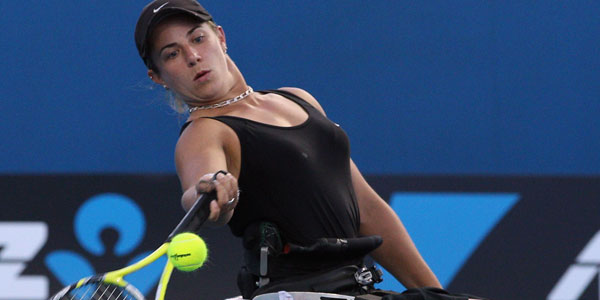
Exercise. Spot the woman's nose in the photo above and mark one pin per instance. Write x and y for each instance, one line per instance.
(193, 58)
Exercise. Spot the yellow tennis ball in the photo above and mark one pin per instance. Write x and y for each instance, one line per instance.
(187, 252)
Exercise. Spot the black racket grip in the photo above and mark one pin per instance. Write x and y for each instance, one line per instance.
(198, 213)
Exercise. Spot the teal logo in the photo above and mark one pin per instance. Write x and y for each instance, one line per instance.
(447, 227)
(95, 215)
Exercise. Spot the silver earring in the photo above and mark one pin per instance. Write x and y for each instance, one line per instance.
(166, 87)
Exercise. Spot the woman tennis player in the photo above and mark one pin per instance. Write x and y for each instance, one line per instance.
(306, 215)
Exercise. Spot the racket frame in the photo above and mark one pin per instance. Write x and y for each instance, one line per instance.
(192, 221)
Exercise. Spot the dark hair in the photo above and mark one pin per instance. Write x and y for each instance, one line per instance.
(174, 102)
(150, 63)
(156, 11)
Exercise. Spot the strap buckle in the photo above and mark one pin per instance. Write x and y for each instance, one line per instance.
(368, 276)
(264, 267)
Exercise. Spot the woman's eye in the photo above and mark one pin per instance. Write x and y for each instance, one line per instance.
(198, 39)
(170, 55)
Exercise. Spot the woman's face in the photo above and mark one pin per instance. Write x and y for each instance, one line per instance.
(190, 59)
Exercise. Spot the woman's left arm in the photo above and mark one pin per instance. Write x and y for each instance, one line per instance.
(397, 253)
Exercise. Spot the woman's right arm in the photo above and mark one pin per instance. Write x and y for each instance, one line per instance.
(205, 147)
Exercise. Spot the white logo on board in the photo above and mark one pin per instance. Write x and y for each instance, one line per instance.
(19, 243)
(580, 274)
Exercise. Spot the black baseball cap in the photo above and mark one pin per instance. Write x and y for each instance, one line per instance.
(156, 11)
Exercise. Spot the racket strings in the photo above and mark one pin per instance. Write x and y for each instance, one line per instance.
(99, 291)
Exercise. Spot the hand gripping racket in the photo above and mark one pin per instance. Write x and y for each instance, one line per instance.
(112, 286)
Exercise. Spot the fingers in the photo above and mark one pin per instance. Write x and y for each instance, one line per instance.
(205, 185)
(215, 211)
(227, 190)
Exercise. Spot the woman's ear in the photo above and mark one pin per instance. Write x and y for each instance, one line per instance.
(222, 39)
(155, 77)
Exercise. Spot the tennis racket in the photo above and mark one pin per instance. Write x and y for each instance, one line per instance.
(112, 285)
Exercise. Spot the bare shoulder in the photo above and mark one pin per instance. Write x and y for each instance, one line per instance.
(201, 131)
(204, 134)
(203, 147)
(304, 95)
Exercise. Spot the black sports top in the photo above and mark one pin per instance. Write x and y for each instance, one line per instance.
(295, 177)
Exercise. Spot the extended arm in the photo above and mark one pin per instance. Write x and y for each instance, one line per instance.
(203, 149)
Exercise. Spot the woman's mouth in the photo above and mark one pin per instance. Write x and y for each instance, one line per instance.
(201, 76)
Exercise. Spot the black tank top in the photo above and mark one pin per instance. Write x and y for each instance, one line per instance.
(295, 177)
